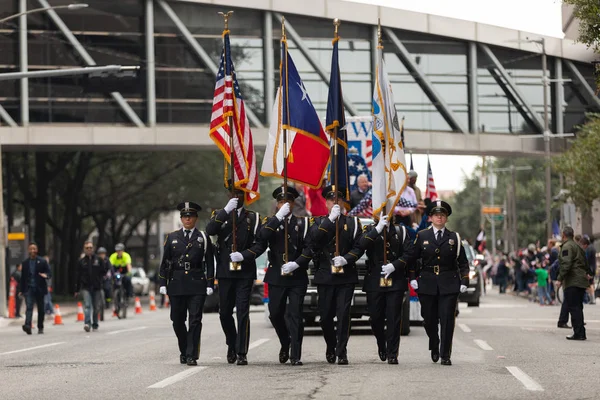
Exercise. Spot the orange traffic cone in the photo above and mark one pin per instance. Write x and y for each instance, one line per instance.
(57, 315)
(80, 316)
(12, 299)
(152, 302)
(167, 303)
(138, 306)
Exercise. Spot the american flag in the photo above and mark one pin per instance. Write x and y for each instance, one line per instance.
(228, 102)
(430, 193)
(356, 167)
(365, 207)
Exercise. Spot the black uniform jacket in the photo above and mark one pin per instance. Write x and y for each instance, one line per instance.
(188, 267)
(89, 273)
(444, 265)
(321, 249)
(398, 243)
(41, 267)
(271, 235)
(248, 224)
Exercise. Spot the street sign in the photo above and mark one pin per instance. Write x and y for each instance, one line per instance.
(491, 210)
(498, 217)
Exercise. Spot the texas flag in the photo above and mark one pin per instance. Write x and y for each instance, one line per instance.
(308, 146)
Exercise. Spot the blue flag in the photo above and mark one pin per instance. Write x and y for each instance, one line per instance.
(336, 119)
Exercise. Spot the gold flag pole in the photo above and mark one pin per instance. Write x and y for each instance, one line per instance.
(285, 138)
(336, 24)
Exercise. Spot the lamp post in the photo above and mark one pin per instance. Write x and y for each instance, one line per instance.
(3, 309)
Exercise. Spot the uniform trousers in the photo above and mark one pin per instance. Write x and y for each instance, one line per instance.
(235, 293)
(385, 311)
(285, 312)
(335, 301)
(188, 339)
(574, 298)
(440, 309)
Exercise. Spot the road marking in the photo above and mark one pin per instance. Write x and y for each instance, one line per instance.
(127, 330)
(525, 379)
(32, 348)
(483, 344)
(254, 345)
(176, 378)
(464, 328)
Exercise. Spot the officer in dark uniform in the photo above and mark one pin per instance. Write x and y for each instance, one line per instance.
(335, 276)
(287, 283)
(235, 275)
(444, 273)
(187, 275)
(385, 284)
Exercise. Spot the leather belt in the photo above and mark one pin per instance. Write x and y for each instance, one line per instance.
(184, 266)
(437, 269)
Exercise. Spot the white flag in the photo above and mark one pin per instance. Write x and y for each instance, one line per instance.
(389, 163)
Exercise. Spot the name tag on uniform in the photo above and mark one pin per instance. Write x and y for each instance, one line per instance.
(451, 241)
(174, 241)
(426, 242)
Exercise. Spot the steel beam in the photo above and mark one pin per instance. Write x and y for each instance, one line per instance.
(89, 61)
(269, 60)
(210, 64)
(517, 96)
(473, 92)
(425, 84)
(6, 117)
(289, 29)
(559, 97)
(60, 72)
(23, 62)
(582, 86)
(150, 64)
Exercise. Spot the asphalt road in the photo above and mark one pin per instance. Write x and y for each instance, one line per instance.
(506, 349)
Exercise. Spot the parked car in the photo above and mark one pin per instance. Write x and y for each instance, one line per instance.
(140, 281)
(475, 287)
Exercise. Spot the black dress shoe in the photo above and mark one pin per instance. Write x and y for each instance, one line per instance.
(330, 357)
(435, 355)
(393, 360)
(40, 331)
(296, 362)
(27, 329)
(566, 326)
(182, 359)
(231, 356)
(573, 337)
(191, 362)
(284, 355)
(342, 361)
(381, 351)
(446, 361)
(241, 360)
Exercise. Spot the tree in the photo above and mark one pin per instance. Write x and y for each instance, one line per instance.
(581, 166)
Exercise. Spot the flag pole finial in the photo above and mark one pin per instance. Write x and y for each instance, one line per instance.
(226, 16)
(336, 23)
(283, 27)
(379, 40)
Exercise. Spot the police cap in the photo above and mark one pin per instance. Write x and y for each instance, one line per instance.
(188, 208)
(292, 193)
(439, 206)
(329, 192)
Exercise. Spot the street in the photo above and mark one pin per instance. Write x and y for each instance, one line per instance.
(508, 348)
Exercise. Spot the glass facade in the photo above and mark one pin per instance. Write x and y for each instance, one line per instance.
(184, 83)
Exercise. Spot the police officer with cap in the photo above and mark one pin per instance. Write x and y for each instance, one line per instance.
(443, 275)
(236, 274)
(287, 283)
(335, 276)
(187, 275)
(385, 284)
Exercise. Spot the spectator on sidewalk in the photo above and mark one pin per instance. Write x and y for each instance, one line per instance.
(90, 272)
(363, 185)
(542, 285)
(34, 287)
(590, 256)
(502, 275)
(17, 277)
(48, 306)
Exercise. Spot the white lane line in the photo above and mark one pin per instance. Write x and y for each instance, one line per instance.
(254, 345)
(464, 328)
(176, 378)
(483, 344)
(127, 330)
(32, 348)
(525, 379)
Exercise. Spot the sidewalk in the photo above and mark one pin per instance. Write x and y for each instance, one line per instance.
(67, 310)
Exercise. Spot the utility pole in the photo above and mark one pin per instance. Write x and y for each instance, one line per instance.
(492, 186)
(546, 84)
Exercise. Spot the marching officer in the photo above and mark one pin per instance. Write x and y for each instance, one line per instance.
(335, 276)
(236, 275)
(444, 273)
(385, 284)
(187, 275)
(287, 285)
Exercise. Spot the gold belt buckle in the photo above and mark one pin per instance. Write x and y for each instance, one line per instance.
(235, 266)
(436, 269)
(385, 282)
(337, 270)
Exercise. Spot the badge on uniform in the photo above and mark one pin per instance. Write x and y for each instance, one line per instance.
(345, 227)
(174, 241)
(296, 228)
(426, 242)
(451, 241)
(200, 240)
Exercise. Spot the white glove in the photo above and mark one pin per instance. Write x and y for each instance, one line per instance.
(283, 211)
(383, 222)
(290, 267)
(162, 290)
(414, 284)
(339, 261)
(387, 270)
(334, 213)
(231, 205)
(463, 288)
(209, 291)
(236, 257)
